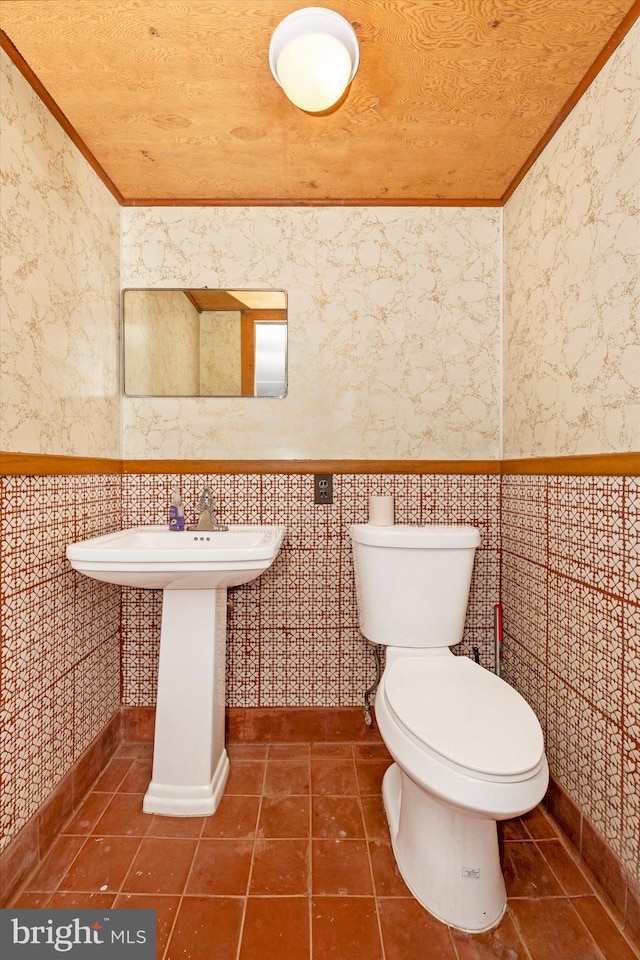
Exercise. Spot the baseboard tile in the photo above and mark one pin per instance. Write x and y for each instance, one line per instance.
(608, 870)
(29, 847)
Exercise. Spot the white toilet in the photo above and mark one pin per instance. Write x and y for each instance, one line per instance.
(468, 749)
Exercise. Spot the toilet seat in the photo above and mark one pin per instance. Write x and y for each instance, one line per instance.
(465, 715)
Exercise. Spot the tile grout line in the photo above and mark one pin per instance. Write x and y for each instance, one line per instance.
(310, 842)
(588, 932)
(376, 899)
(253, 853)
(115, 793)
(181, 896)
(519, 931)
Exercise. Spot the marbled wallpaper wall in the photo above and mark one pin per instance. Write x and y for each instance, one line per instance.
(394, 330)
(571, 268)
(59, 307)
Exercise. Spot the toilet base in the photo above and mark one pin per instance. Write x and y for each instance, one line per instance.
(449, 860)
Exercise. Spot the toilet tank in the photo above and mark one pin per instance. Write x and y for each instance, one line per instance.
(412, 582)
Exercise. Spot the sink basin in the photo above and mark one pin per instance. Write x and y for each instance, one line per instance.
(156, 557)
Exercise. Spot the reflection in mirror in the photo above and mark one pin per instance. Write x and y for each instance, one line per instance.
(204, 343)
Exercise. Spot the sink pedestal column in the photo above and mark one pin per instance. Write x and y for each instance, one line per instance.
(190, 763)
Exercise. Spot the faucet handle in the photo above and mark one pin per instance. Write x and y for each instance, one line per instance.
(206, 500)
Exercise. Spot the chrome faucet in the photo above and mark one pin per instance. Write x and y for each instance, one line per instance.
(206, 517)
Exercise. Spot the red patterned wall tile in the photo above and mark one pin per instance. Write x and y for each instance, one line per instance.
(53, 620)
(292, 635)
(630, 840)
(562, 553)
(570, 574)
(586, 530)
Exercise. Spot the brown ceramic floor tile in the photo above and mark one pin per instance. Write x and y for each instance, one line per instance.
(113, 774)
(332, 776)
(526, 872)
(410, 933)
(166, 909)
(281, 868)
(236, 817)
(161, 865)
(88, 813)
(573, 881)
(375, 818)
(502, 941)
(602, 929)
(276, 928)
(513, 830)
(220, 868)
(386, 876)
(286, 777)
(102, 864)
(245, 777)
(73, 901)
(372, 751)
(123, 817)
(54, 867)
(370, 774)
(341, 867)
(184, 827)
(336, 817)
(552, 928)
(337, 751)
(344, 928)
(538, 824)
(31, 900)
(262, 849)
(285, 817)
(289, 751)
(632, 918)
(247, 751)
(206, 928)
(137, 778)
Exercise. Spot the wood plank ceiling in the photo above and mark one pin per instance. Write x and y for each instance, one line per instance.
(173, 100)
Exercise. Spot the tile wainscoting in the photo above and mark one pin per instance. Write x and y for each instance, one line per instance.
(561, 552)
(60, 647)
(571, 595)
(292, 635)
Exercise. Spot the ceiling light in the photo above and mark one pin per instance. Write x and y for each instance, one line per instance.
(314, 56)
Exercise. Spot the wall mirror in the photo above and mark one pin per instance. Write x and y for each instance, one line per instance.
(204, 343)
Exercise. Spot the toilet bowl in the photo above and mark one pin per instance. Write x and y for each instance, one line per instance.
(467, 748)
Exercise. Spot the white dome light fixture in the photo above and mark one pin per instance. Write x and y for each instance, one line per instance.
(314, 56)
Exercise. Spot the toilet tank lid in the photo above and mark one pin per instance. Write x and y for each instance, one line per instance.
(434, 536)
(466, 714)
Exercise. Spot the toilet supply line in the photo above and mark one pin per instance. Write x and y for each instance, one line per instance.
(370, 691)
(497, 636)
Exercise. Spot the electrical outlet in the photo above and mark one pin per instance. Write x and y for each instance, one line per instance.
(323, 488)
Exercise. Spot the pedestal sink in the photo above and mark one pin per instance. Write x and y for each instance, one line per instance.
(193, 568)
